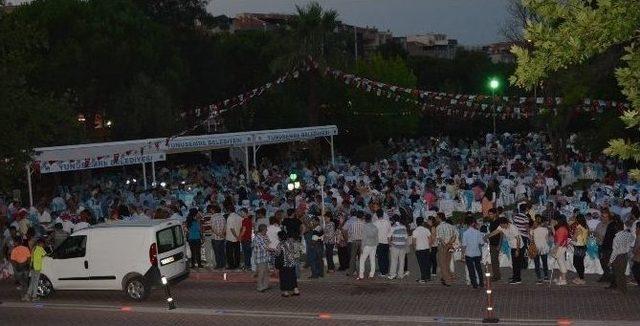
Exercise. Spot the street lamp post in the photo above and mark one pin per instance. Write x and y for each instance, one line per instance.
(293, 185)
(493, 85)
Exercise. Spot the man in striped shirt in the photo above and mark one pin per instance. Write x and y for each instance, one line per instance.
(354, 236)
(398, 240)
(329, 240)
(521, 221)
(218, 229)
(622, 242)
(261, 257)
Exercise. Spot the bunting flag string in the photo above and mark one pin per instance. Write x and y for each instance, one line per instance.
(429, 102)
(469, 106)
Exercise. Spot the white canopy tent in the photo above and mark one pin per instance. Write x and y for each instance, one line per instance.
(143, 151)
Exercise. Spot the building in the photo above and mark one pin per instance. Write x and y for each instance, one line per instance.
(368, 39)
(431, 45)
(7, 8)
(500, 52)
(256, 21)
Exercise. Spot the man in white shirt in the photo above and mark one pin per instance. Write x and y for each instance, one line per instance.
(514, 239)
(472, 242)
(232, 236)
(421, 239)
(382, 252)
(272, 232)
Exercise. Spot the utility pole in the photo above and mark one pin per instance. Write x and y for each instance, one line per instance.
(355, 42)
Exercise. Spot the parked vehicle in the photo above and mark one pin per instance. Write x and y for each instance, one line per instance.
(128, 256)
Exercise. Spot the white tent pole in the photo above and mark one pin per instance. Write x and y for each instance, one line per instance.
(333, 157)
(144, 175)
(246, 161)
(254, 155)
(29, 185)
(153, 173)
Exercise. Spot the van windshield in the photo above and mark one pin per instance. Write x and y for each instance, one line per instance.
(169, 239)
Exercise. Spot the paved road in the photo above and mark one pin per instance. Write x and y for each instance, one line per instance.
(330, 301)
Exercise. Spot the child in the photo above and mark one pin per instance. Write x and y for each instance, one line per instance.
(37, 254)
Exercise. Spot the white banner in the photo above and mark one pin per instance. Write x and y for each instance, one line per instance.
(209, 141)
(95, 163)
(295, 134)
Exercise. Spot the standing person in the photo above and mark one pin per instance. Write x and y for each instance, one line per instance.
(272, 233)
(261, 257)
(329, 241)
(59, 235)
(292, 225)
(20, 257)
(488, 199)
(607, 245)
(343, 247)
(194, 229)
(232, 236)
(261, 217)
(635, 256)
(208, 236)
(382, 252)
(369, 246)
(315, 249)
(398, 248)
(494, 245)
(446, 235)
(433, 253)
(354, 233)
(581, 234)
(37, 254)
(622, 241)
(307, 232)
(512, 235)
(422, 241)
(540, 238)
(560, 241)
(286, 265)
(246, 231)
(472, 242)
(218, 227)
(521, 221)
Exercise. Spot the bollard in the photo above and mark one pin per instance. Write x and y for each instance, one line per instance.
(167, 292)
(490, 314)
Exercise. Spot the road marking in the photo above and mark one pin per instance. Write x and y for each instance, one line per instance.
(296, 315)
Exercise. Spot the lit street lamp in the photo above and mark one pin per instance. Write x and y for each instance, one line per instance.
(293, 184)
(494, 83)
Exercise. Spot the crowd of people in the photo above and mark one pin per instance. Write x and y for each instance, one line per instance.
(501, 200)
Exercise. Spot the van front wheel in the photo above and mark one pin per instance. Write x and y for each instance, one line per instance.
(45, 288)
(136, 289)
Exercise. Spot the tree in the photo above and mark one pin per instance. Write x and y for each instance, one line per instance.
(571, 32)
(313, 29)
(313, 26)
(374, 118)
(30, 117)
(518, 16)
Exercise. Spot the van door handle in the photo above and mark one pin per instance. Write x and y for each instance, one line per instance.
(86, 264)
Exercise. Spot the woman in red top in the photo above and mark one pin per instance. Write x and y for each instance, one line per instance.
(561, 239)
(245, 237)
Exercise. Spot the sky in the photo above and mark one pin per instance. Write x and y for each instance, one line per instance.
(471, 22)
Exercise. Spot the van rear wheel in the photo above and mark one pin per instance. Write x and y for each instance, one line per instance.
(136, 289)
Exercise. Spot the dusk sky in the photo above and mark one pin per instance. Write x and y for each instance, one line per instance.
(472, 22)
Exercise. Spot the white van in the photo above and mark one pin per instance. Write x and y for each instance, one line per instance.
(127, 256)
